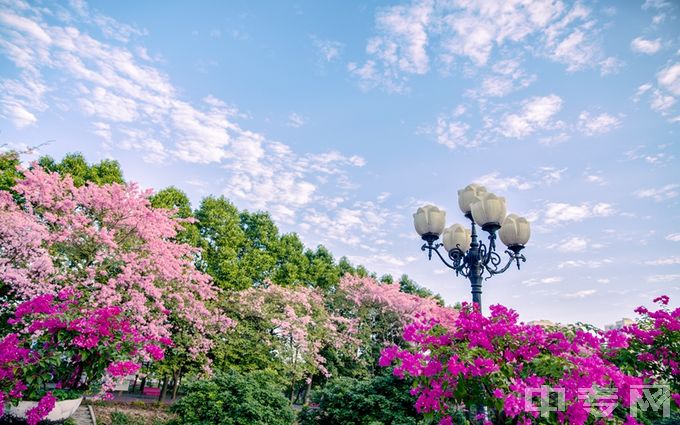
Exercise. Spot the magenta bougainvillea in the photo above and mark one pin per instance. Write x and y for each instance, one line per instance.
(501, 364)
(57, 342)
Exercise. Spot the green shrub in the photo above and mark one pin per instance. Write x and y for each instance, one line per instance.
(234, 399)
(383, 400)
(120, 418)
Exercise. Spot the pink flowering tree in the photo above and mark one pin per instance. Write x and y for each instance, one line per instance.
(109, 246)
(300, 326)
(381, 311)
(494, 369)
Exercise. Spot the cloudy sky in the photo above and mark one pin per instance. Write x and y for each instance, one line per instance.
(341, 118)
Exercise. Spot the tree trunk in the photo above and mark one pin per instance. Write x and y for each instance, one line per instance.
(292, 383)
(164, 390)
(308, 391)
(175, 382)
(142, 385)
(134, 384)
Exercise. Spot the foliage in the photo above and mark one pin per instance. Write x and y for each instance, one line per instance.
(74, 164)
(382, 400)
(177, 201)
(9, 173)
(234, 399)
(104, 172)
(492, 361)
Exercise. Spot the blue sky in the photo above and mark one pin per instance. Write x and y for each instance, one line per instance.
(342, 118)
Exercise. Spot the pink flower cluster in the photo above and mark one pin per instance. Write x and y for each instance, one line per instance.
(44, 407)
(496, 361)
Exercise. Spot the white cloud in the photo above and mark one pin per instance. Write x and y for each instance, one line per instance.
(663, 278)
(642, 45)
(543, 281)
(656, 4)
(599, 124)
(573, 244)
(400, 47)
(452, 133)
(669, 78)
(329, 50)
(408, 35)
(354, 224)
(296, 120)
(654, 158)
(663, 96)
(666, 261)
(674, 237)
(659, 194)
(506, 77)
(590, 264)
(576, 51)
(610, 65)
(537, 113)
(495, 182)
(593, 178)
(134, 106)
(550, 175)
(661, 102)
(543, 176)
(580, 294)
(558, 213)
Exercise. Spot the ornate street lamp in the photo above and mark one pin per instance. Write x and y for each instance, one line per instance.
(469, 256)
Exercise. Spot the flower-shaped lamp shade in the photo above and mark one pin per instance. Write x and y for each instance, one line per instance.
(456, 237)
(490, 209)
(469, 195)
(515, 231)
(429, 219)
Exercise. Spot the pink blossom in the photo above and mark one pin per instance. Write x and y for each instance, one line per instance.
(44, 407)
(123, 368)
(155, 351)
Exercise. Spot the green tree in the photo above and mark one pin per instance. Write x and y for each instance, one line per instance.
(345, 267)
(173, 198)
(323, 273)
(224, 241)
(235, 399)
(410, 286)
(74, 164)
(292, 266)
(9, 161)
(258, 255)
(382, 400)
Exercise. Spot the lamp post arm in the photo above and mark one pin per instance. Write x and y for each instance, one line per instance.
(513, 257)
(435, 248)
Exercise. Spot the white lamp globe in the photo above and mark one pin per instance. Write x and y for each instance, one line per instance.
(429, 220)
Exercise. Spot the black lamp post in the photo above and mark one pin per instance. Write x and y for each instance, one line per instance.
(467, 255)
